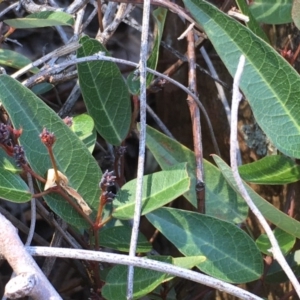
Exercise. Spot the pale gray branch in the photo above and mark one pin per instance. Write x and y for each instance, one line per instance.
(277, 254)
(30, 279)
(146, 264)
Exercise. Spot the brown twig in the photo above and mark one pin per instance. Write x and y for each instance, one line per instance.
(100, 16)
(195, 116)
(26, 168)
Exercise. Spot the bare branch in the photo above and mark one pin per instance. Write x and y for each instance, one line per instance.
(146, 264)
(142, 143)
(30, 280)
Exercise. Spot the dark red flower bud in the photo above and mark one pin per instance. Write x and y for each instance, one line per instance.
(47, 138)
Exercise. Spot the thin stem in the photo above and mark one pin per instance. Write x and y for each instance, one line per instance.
(50, 219)
(33, 212)
(54, 165)
(27, 169)
(100, 212)
(221, 92)
(142, 143)
(277, 254)
(159, 122)
(195, 117)
(144, 263)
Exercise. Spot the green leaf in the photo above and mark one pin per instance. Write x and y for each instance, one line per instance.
(83, 126)
(272, 12)
(277, 275)
(133, 81)
(269, 83)
(105, 93)
(273, 169)
(42, 88)
(230, 253)
(12, 186)
(221, 200)
(42, 19)
(159, 189)
(252, 24)
(285, 241)
(187, 262)
(118, 238)
(271, 213)
(7, 163)
(15, 60)
(145, 281)
(296, 13)
(26, 110)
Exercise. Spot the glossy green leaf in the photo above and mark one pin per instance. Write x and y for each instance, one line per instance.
(118, 238)
(145, 281)
(159, 189)
(272, 12)
(275, 273)
(252, 24)
(269, 83)
(286, 242)
(83, 126)
(12, 186)
(273, 169)
(26, 110)
(133, 81)
(42, 19)
(105, 93)
(271, 213)
(221, 200)
(15, 60)
(231, 255)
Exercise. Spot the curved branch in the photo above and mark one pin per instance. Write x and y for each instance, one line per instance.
(30, 280)
(146, 264)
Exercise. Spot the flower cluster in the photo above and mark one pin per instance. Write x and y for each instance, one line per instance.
(107, 181)
(4, 134)
(8, 137)
(19, 155)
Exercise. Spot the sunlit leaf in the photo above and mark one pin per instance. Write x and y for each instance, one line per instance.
(269, 82)
(158, 189)
(42, 19)
(270, 212)
(231, 255)
(273, 169)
